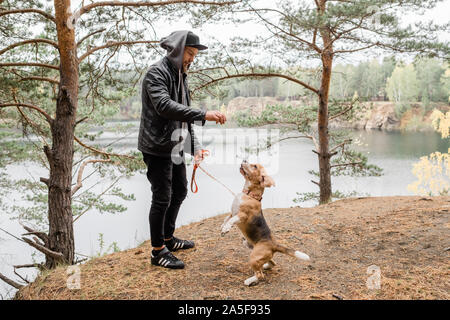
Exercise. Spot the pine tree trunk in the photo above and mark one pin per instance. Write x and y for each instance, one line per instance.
(322, 123)
(324, 156)
(61, 237)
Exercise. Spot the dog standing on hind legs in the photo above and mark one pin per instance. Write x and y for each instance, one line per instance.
(246, 213)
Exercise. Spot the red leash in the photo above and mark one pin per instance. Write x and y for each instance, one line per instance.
(196, 165)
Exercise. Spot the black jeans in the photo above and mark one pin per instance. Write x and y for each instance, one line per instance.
(169, 188)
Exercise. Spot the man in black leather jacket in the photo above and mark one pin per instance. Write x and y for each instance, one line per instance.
(165, 133)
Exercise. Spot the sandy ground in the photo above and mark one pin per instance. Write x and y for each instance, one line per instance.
(405, 238)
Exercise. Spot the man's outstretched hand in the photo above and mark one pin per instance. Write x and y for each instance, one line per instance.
(199, 156)
(216, 116)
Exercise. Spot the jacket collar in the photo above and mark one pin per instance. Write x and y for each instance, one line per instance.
(171, 66)
(176, 77)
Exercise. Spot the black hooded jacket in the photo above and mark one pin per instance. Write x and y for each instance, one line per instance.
(166, 102)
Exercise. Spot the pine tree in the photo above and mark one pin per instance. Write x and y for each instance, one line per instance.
(318, 32)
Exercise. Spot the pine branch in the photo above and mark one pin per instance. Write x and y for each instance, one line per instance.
(346, 164)
(340, 145)
(10, 282)
(44, 250)
(89, 35)
(23, 279)
(41, 12)
(31, 265)
(264, 75)
(99, 196)
(302, 136)
(309, 44)
(113, 44)
(21, 43)
(209, 69)
(341, 113)
(32, 124)
(107, 154)
(358, 26)
(26, 105)
(46, 181)
(81, 120)
(42, 235)
(358, 49)
(81, 170)
(29, 64)
(89, 7)
(315, 182)
(40, 79)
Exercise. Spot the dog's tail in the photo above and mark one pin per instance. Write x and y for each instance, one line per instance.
(293, 253)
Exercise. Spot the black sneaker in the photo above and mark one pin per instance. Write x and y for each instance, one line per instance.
(175, 244)
(167, 260)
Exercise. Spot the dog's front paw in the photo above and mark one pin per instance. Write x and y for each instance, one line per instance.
(225, 229)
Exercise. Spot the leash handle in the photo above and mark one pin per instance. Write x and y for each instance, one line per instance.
(193, 179)
(196, 165)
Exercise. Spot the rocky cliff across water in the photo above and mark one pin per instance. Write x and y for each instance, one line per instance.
(379, 115)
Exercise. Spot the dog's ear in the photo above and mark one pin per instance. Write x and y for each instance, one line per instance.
(267, 181)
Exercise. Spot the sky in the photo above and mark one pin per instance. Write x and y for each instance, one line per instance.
(224, 32)
(440, 14)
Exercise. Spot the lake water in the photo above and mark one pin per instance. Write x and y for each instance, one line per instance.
(288, 165)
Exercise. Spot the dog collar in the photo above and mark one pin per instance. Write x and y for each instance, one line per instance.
(251, 194)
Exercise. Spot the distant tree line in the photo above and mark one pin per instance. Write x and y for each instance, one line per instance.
(424, 80)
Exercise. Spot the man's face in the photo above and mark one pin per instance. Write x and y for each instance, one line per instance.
(188, 57)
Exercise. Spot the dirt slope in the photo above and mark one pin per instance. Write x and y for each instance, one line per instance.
(406, 237)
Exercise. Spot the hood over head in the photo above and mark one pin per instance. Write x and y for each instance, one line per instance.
(175, 43)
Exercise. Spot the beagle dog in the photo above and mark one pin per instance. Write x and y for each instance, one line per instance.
(247, 214)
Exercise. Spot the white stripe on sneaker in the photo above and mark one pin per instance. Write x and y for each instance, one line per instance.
(181, 245)
(160, 260)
